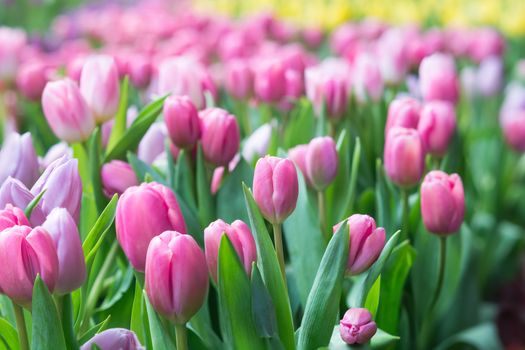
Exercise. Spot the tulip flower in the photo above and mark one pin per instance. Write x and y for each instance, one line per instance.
(24, 254)
(144, 212)
(182, 120)
(14, 192)
(176, 276)
(99, 85)
(392, 56)
(404, 156)
(152, 144)
(66, 111)
(66, 238)
(32, 78)
(357, 326)
(139, 69)
(220, 136)
(436, 126)
(367, 82)
(18, 159)
(55, 152)
(297, 154)
(438, 78)
(241, 237)
(270, 80)
(489, 77)
(321, 162)
(403, 111)
(366, 243)
(116, 177)
(12, 216)
(114, 339)
(63, 186)
(442, 202)
(12, 42)
(513, 125)
(238, 79)
(256, 145)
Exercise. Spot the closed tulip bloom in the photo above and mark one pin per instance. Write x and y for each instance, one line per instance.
(55, 152)
(256, 145)
(436, 126)
(357, 326)
(321, 162)
(275, 188)
(24, 254)
(240, 236)
(144, 212)
(513, 125)
(66, 238)
(270, 86)
(220, 136)
(114, 339)
(403, 111)
(176, 276)
(297, 155)
(99, 85)
(152, 144)
(182, 120)
(139, 69)
(63, 186)
(116, 177)
(392, 56)
(238, 79)
(442, 202)
(368, 81)
(438, 78)
(18, 159)
(12, 216)
(12, 43)
(366, 243)
(66, 111)
(32, 78)
(16, 193)
(404, 156)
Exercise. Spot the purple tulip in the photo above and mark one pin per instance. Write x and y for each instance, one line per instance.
(220, 136)
(357, 326)
(117, 176)
(321, 162)
(152, 144)
(55, 152)
(15, 193)
(404, 156)
(256, 145)
(114, 339)
(18, 159)
(489, 78)
(436, 126)
(182, 120)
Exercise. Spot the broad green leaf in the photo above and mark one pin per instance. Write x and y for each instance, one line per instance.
(8, 334)
(482, 337)
(136, 314)
(94, 170)
(98, 328)
(379, 341)
(383, 199)
(200, 324)
(119, 127)
(160, 337)
(301, 127)
(230, 201)
(205, 201)
(262, 305)
(235, 297)
(29, 209)
(103, 223)
(192, 222)
(185, 179)
(372, 298)
(142, 169)
(270, 271)
(322, 306)
(46, 329)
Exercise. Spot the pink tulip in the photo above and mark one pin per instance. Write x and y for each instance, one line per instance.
(392, 56)
(357, 326)
(238, 79)
(18, 159)
(270, 80)
(240, 236)
(116, 177)
(176, 276)
(366, 243)
(182, 120)
(135, 230)
(114, 339)
(403, 111)
(152, 144)
(32, 78)
(99, 85)
(513, 125)
(438, 78)
(55, 152)
(442, 202)
(297, 155)
(140, 70)
(15, 193)
(436, 126)
(12, 216)
(404, 156)
(368, 81)
(485, 42)
(12, 43)
(220, 136)
(321, 162)
(24, 254)
(66, 111)
(275, 188)
(66, 238)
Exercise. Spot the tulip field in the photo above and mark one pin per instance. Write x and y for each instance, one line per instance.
(245, 175)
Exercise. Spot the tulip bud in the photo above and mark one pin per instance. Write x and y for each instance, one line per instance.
(357, 326)
(238, 79)
(18, 159)
(436, 126)
(152, 144)
(392, 55)
(114, 339)
(99, 85)
(220, 136)
(297, 155)
(116, 177)
(182, 120)
(513, 124)
(15, 193)
(12, 42)
(256, 145)
(12, 216)
(275, 188)
(32, 78)
(24, 254)
(438, 78)
(270, 80)
(66, 238)
(66, 111)
(144, 212)
(176, 276)
(368, 81)
(403, 112)
(404, 156)
(366, 243)
(55, 152)
(321, 162)
(63, 186)
(140, 70)
(241, 237)
(489, 78)
(442, 202)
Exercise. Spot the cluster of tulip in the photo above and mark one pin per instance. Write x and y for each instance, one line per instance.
(126, 216)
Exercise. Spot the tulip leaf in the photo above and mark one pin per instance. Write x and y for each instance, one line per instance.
(99, 327)
(119, 127)
(160, 336)
(271, 272)
(235, 298)
(482, 337)
(383, 199)
(230, 201)
(304, 241)
(380, 340)
(94, 170)
(46, 329)
(8, 334)
(372, 298)
(322, 306)
(103, 223)
(336, 192)
(132, 136)
(142, 169)
(262, 305)
(205, 201)
(185, 179)
(29, 209)
(301, 128)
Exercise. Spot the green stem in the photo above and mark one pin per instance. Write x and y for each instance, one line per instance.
(406, 214)
(66, 315)
(278, 241)
(441, 271)
(182, 336)
(21, 326)
(321, 201)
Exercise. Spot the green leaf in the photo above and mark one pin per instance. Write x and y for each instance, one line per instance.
(8, 334)
(98, 328)
(29, 209)
(262, 305)
(160, 337)
(322, 305)
(136, 313)
(270, 271)
(185, 179)
(119, 127)
(383, 199)
(336, 193)
(235, 298)
(46, 329)
(132, 136)
(372, 298)
(301, 128)
(204, 198)
(379, 341)
(230, 201)
(103, 223)
(142, 169)
(94, 170)
(482, 337)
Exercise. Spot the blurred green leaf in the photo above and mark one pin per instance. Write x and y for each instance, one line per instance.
(9, 335)
(160, 337)
(372, 298)
(119, 127)
(206, 212)
(184, 179)
(142, 169)
(482, 337)
(98, 328)
(230, 201)
(301, 127)
(94, 170)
